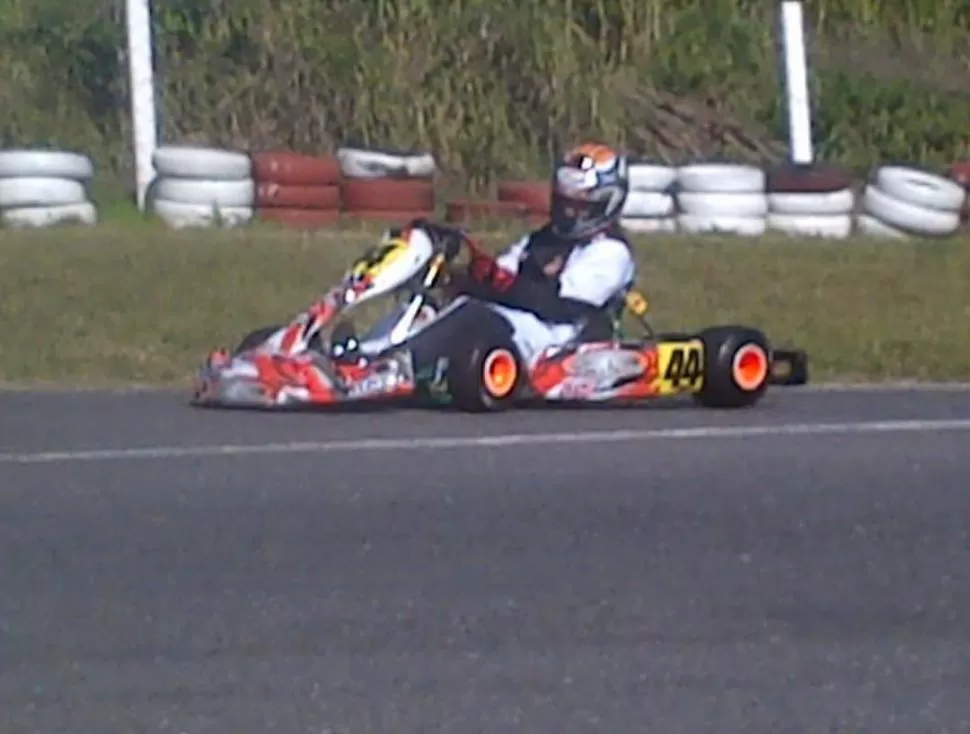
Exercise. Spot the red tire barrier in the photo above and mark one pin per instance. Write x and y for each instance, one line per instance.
(295, 169)
(535, 195)
(388, 195)
(297, 197)
(815, 179)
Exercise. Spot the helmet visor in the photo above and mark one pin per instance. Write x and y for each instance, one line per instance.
(578, 205)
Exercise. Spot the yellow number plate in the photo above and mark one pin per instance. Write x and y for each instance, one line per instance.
(681, 367)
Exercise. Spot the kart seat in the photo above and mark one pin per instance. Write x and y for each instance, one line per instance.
(610, 327)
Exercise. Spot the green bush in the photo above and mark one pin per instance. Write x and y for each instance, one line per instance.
(492, 86)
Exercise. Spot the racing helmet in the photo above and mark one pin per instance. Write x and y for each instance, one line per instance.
(589, 188)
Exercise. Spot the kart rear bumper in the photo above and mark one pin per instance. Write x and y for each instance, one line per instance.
(789, 367)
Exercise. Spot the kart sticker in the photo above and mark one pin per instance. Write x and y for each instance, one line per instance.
(681, 366)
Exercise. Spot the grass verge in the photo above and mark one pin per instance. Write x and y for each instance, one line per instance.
(142, 305)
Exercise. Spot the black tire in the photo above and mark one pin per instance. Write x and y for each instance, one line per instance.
(255, 338)
(467, 365)
(723, 386)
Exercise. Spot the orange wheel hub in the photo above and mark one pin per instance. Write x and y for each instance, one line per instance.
(750, 367)
(499, 373)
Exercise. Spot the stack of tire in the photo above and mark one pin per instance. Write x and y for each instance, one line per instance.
(296, 190)
(385, 186)
(651, 205)
(810, 201)
(721, 198)
(42, 188)
(201, 187)
(900, 201)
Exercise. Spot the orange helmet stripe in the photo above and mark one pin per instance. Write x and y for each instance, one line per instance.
(596, 152)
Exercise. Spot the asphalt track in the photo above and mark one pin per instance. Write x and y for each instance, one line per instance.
(801, 567)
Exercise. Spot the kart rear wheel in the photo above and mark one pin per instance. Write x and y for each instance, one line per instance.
(485, 376)
(737, 367)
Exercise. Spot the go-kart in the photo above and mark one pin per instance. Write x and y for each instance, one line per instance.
(319, 359)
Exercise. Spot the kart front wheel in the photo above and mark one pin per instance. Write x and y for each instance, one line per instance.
(737, 367)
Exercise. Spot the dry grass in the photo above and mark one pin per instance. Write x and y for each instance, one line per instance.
(491, 86)
(143, 305)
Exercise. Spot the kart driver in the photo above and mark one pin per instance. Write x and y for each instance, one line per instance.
(566, 277)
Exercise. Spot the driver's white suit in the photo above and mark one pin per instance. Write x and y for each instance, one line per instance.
(555, 301)
(546, 288)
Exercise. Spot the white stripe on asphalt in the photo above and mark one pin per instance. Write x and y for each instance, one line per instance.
(706, 433)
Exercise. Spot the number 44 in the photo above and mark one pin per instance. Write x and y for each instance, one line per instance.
(684, 367)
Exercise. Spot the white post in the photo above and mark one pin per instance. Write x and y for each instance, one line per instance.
(796, 83)
(142, 90)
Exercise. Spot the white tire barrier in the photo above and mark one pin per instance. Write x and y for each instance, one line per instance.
(372, 164)
(812, 203)
(649, 205)
(833, 226)
(721, 178)
(38, 217)
(825, 214)
(722, 198)
(724, 225)
(664, 225)
(919, 188)
(179, 215)
(43, 188)
(207, 193)
(869, 226)
(909, 217)
(37, 191)
(46, 164)
(199, 162)
(200, 187)
(652, 177)
(723, 204)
